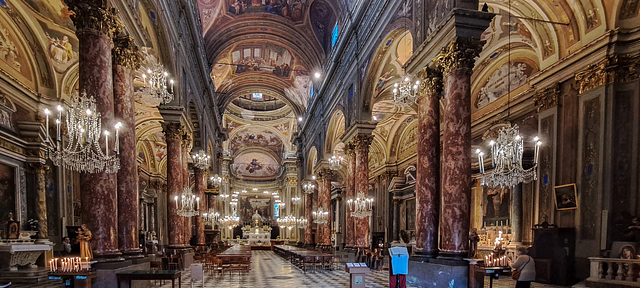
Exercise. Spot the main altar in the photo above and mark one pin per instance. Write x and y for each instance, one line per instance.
(258, 233)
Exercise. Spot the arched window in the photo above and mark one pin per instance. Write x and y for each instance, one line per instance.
(334, 35)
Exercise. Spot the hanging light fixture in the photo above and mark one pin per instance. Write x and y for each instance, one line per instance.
(361, 207)
(309, 187)
(216, 180)
(229, 221)
(405, 94)
(155, 84)
(335, 162)
(287, 222)
(506, 158)
(303, 222)
(507, 150)
(320, 216)
(83, 152)
(201, 160)
(189, 203)
(296, 200)
(211, 217)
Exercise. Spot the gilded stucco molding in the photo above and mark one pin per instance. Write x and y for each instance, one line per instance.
(430, 81)
(547, 98)
(173, 130)
(125, 53)
(614, 69)
(94, 15)
(458, 54)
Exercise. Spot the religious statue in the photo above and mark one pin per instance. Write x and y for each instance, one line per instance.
(473, 242)
(84, 237)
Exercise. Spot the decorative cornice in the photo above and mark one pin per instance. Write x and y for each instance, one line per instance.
(594, 76)
(458, 54)
(125, 53)
(430, 81)
(94, 15)
(173, 130)
(547, 98)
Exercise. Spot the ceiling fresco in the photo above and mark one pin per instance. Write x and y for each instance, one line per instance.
(255, 165)
(55, 10)
(252, 137)
(292, 9)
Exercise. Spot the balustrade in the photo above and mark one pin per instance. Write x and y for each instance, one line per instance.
(615, 271)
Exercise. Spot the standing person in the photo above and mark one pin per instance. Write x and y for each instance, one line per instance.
(84, 237)
(66, 244)
(527, 267)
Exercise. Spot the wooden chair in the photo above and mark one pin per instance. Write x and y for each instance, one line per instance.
(176, 262)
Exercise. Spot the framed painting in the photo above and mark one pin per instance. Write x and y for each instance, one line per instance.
(8, 192)
(566, 197)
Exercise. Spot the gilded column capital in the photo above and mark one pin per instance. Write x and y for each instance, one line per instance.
(187, 141)
(94, 15)
(458, 54)
(362, 141)
(125, 53)
(430, 81)
(349, 149)
(173, 130)
(325, 173)
(547, 98)
(292, 181)
(594, 76)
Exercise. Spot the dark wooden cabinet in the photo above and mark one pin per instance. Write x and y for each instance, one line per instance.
(554, 253)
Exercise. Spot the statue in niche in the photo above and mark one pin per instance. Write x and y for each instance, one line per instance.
(84, 238)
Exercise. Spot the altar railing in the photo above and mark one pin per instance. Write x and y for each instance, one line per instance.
(614, 271)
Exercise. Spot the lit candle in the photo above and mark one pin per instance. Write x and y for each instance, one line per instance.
(117, 126)
(106, 141)
(171, 81)
(58, 121)
(176, 198)
(47, 112)
(197, 203)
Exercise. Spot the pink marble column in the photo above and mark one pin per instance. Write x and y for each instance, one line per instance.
(350, 193)
(308, 208)
(456, 62)
(96, 23)
(173, 133)
(211, 200)
(186, 148)
(324, 202)
(361, 225)
(200, 186)
(125, 61)
(428, 168)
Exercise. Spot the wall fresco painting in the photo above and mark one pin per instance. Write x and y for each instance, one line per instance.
(290, 9)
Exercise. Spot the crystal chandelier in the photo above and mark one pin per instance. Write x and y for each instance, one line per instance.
(335, 162)
(296, 200)
(287, 222)
(155, 84)
(280, 203)
(320, 216)
(201, 160)
(234, 202)
(309, 187)
(405, 94)
(211, 217)
(506, 158)
(230, 221)
(189, 203)
(83, 128)
(216, 180)
(361, 207)
(302, 223)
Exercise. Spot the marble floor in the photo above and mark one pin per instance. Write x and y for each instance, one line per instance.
(270, 270)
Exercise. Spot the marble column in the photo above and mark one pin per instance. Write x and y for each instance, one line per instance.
(350, 193)
(96, 24)
(361, 225)
(324, 202)
(211, 201)
(428, 168)
(516, 214)
(173, 133)
(308, 238)
(125, 61)
(200, 176)
(396, 220)
(39, 170)
(186, 148)
(456, 61)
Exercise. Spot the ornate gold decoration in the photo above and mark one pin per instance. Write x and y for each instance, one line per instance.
(459, 54)
(325, 173)
(430, 81)
(547, 98)
(349, 149)
(125, 53)
(594, 76)
(362, 141)
(292, 181)
(173, 130)
(94, 15)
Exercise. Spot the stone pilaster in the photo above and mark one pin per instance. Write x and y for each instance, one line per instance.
(186, 149)
(96, 24)
(125, 61)
(456, 61)
(351, 194)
